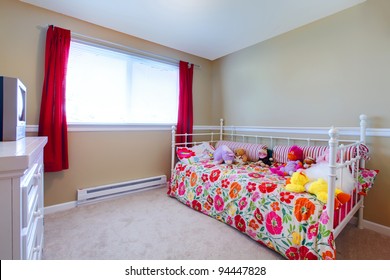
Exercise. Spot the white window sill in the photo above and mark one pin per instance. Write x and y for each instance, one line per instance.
(109, 127)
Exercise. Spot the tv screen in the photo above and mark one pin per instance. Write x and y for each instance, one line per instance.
(21, 100)
(12, 109)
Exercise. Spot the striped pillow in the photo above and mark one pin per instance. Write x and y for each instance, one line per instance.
(280, 152)
(352, 152)
(252, 149)
(314, 151)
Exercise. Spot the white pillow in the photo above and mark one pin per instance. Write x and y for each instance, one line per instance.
(200, 152)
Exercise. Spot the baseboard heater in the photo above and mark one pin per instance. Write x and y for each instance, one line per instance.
(95, 194)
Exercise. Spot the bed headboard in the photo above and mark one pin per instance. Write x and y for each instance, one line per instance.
(267, 135)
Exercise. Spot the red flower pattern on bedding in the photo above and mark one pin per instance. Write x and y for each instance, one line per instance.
(239, 222)
(273, 223)
(286, 197)
(214, 175)
(196, 205)
(258, 216)
(267, 187)
(253, 200)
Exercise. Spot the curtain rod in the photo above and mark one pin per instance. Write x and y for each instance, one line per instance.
(90, 39)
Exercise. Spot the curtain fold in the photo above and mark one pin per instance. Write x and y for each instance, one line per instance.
(52, 118)
(185, 112)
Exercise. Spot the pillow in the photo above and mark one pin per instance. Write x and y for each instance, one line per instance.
(280, 152)
(351, 152)
(200, 152)
(366, 180)
(252, 149)
(314, 151)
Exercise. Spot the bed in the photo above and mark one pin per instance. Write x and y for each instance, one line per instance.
(253, 199)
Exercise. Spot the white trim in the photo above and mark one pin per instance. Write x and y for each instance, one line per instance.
(31, 128)
(377, 227)
(350, 131)
(379, 132)
(353, 131)
(372, 226)
(60, 207)
(118, 127)
(206, 127)
(110, 127)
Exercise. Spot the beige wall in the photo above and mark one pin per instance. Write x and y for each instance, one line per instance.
(294, 79)
(95, 157)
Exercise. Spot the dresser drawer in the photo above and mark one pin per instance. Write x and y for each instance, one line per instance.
(38, 242)
(21, 198)
(30, 195)
(32, 212)
(32, 239)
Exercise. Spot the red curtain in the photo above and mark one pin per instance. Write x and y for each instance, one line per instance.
(185, 115)
(52, 118)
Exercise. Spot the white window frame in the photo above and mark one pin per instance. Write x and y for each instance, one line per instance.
(132, 52)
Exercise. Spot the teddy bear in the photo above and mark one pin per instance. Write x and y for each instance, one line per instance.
(294, 162)
(308, 161)
(240, 156)
(314, 180)
(223, 154)
(265, 158)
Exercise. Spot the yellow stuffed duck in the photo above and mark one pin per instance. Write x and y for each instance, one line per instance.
(314, 180)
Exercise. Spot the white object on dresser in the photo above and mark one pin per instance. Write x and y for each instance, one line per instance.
(21, 198)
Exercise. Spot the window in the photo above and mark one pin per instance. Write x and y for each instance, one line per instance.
(110, 86)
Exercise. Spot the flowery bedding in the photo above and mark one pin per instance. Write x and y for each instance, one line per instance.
(253, 200)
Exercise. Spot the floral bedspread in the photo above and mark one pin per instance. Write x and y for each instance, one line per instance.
(253, 200)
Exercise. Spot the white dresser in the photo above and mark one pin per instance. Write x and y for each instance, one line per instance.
(21, 198)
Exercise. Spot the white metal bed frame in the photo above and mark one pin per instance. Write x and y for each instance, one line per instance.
(334, 147)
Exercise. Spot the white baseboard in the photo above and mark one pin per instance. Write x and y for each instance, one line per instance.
(60, 207)
(72, 204)
(373, 226)
(376, 227)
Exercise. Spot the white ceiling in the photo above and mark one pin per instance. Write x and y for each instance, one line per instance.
(206, 28)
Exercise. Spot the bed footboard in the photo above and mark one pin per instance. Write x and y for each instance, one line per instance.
(355, 163)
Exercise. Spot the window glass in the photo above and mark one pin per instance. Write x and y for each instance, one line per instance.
(107, 86)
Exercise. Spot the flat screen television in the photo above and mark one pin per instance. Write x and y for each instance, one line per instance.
(12, 109)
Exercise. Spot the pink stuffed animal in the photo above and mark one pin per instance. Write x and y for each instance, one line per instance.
(295, 158)
(288, 169)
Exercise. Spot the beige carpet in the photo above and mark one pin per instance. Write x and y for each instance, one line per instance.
(150, 225)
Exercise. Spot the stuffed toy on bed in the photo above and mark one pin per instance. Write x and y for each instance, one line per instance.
(308, 162)
(314, 180)
(265, 158)
(240, 156)
(294, 163)
(223, 154)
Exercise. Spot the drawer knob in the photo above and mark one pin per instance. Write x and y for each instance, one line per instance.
(38, 214)
(37, 249)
